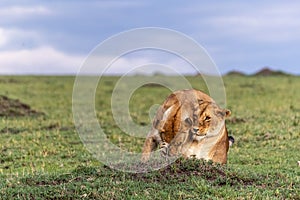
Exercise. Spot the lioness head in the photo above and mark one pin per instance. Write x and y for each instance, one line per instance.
(210, 120)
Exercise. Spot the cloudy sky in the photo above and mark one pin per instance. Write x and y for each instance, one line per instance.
(55, 37)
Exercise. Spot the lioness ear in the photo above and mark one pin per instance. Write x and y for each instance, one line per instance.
(227, 112)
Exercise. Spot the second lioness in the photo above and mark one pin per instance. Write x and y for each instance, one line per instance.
(189, 117)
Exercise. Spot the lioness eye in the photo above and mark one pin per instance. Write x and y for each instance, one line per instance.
(207, 118)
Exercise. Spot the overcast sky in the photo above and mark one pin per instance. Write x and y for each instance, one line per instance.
(55, 37)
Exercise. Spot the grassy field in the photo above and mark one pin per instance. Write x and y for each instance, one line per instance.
(42, 156)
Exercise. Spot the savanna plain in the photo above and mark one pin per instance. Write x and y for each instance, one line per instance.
(43, 157)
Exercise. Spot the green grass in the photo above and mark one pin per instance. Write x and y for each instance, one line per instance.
(43, 156)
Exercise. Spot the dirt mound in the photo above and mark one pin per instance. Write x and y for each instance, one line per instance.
(268, 72)
(182, 168)
(15, 108)
(193, 167)
(235, 73)
(178, 172)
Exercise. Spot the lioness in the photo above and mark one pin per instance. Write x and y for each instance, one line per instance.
(191, 124)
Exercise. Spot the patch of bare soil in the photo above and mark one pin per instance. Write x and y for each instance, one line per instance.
(12, 130)
(151, 85)
(235, 120)
(15, 108)
(56, 126)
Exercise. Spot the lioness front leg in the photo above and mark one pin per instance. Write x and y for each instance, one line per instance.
(152, 141)
(175, 146)
(182, 140)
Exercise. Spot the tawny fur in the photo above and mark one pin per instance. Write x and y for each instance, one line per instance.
(205, 134)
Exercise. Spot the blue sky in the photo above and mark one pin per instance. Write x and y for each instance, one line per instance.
(55, 37)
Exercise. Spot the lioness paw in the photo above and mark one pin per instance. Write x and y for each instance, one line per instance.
(164, 149)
